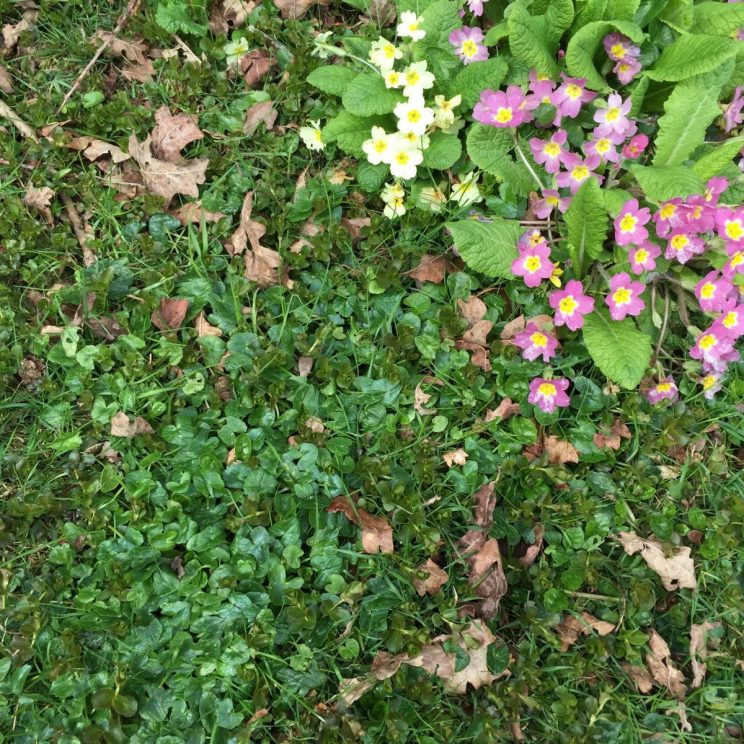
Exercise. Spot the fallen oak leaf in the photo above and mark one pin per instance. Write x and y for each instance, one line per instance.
(377, 534)
(170, 314)
(40, 200)
(478, 354)
(123, 426)
(255, 65)
(249, 231)
(435, 578)
(677, 572)
(230, 14)
(640, 677)
(430, 269)
(133, 50)
(503, 411)
(141, 73)
(485, 503)
(193, 212)
(172, 133)
(354, 226)
(530, 555)
(12, 31)
(259, 113)
(203, 327)
(93, 149)
(662, 669)
(571, 627)
(472, 310)
(699, 651)
(6, 84)
(478, 332)
(487, 575)
(296, 8)
(559, 451)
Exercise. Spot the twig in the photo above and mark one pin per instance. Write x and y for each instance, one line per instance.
(7, 113)
(123, 18)
(89, 258)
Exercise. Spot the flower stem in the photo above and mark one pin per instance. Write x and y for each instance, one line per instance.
(527, 163)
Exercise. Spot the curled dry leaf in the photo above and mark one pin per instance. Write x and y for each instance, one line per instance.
(485, 503)
(255, 65)
(662, 669)
(133, 50)
(478, 354)
(170, 314)
(530, 555)
(193, 212)
(455, 457)
(559, 451)
(6, 84)
(40, 199)
(354, 226)
(640, 677)
(123, 426)
(229, 14)
(676, 572)
(167, 179)
(434, 580)
(172, 133)
(487, 575)
(377, 534)
(473, 309)
(259, 113)
(203, 328)
(420, 398)
(503, 410)
(478, 332)
(430, 269)
(571, 627)
(304, 365)
(315, 425)
(12, 31)
(699, 651)
(296, 8)
(93, 149)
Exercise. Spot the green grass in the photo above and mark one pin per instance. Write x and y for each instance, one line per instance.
(102, 641)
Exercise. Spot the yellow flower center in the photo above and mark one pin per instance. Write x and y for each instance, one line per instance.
(553, 149)
(412, 78)
(734, 229)
(617, 50)
(624, 67)
(708, 381)
(535, 239)
(393, 78)
(532, 264)
(317, 135)
(539, 339)
(413, 26)
(679, 242)
(580, 173)
(552, 200)
(567, 305)
(573, 91)
(546, 99)
(380, 146)
(641, 256)
(414, 116)
(663, 387)
(622, 296)
(402, 158)
(469, 48)
(707, 290)
(389, 51)
(628, 223)
(612, 114)
(547, 389)
(731, 319)
(697, 212)
(737, 259)
(708, 341)
(503, 115)
(603, 146)
(667, 211)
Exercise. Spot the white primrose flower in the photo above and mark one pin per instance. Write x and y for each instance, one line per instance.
(433, 198)
(410, 26)
(377, 148)
(414, 116)
(393, 194)
(404, 158)
(236, 49)
(384, 53)
(466, 192)
(416, 140)
(318, 41)
(393, 79)
(312, 136)
(417, 80)
(444, 115)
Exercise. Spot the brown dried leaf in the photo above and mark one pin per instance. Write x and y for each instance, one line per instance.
(261, 266)
(262, 112)
(12, 31)
(503, 410)
(203, 328)
(640, 676)
(377, 534)
(40, 199)
(168, 179)
(571, 627)
(296, 8)
(487, 575)
(512, 328)
(485, 503)
(530, 555)
(473, 310)
(170, 314)
(420, 398)
(141, 73)
(172, 133)
(6, 84)
(315, 425)
(193, 212)
(478, 354)
(132, 50)
(95, 148)
(455, 457)
(478, 332)
(350, 690)
(304, 365)
(249, 231)
(660, 664)
(603, 439)
(699, 651)
(229, 14)
(255, 65)
(435, 579)
(177, 567)
(31, 371)
(676, 572)
(621, 429)
(560, 451)
(105, 327)
(354, 225)
(430, 269)
(123, 426)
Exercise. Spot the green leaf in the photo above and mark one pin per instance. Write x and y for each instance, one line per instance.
(637, 94)
(624, 10)
(618, 348)
(371, 177)
(688, 112)
(350, 131)
(719, 19)
(587, 223)
(473, 79)
(487, 146)
(591, 12)
(487, 247)
(443, 151)
(718, 159)
(528, 41)
(367, 95)
(417, 6)
(678, 14)
(496, 34)
(332, 79)
(439, 20)
(585, 43)
(662, 182)
(174, 17)
(614, 200)
(692, 55)
(558, 19)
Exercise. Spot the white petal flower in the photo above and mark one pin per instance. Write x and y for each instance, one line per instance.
(383, 54)
(377, 148)
(410, 26)
(444, 115)
(414, 116)
(404, 159)
(312, 136)
(236, 49)
(393, 79)
(433, 198)
(394, 208)
(392, 191)
(421, 141)
(417, 80)
(466, 192)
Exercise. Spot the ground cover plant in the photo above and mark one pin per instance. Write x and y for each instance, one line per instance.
(371, 371)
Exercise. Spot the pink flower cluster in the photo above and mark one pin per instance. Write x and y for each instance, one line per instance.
(624, 54)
